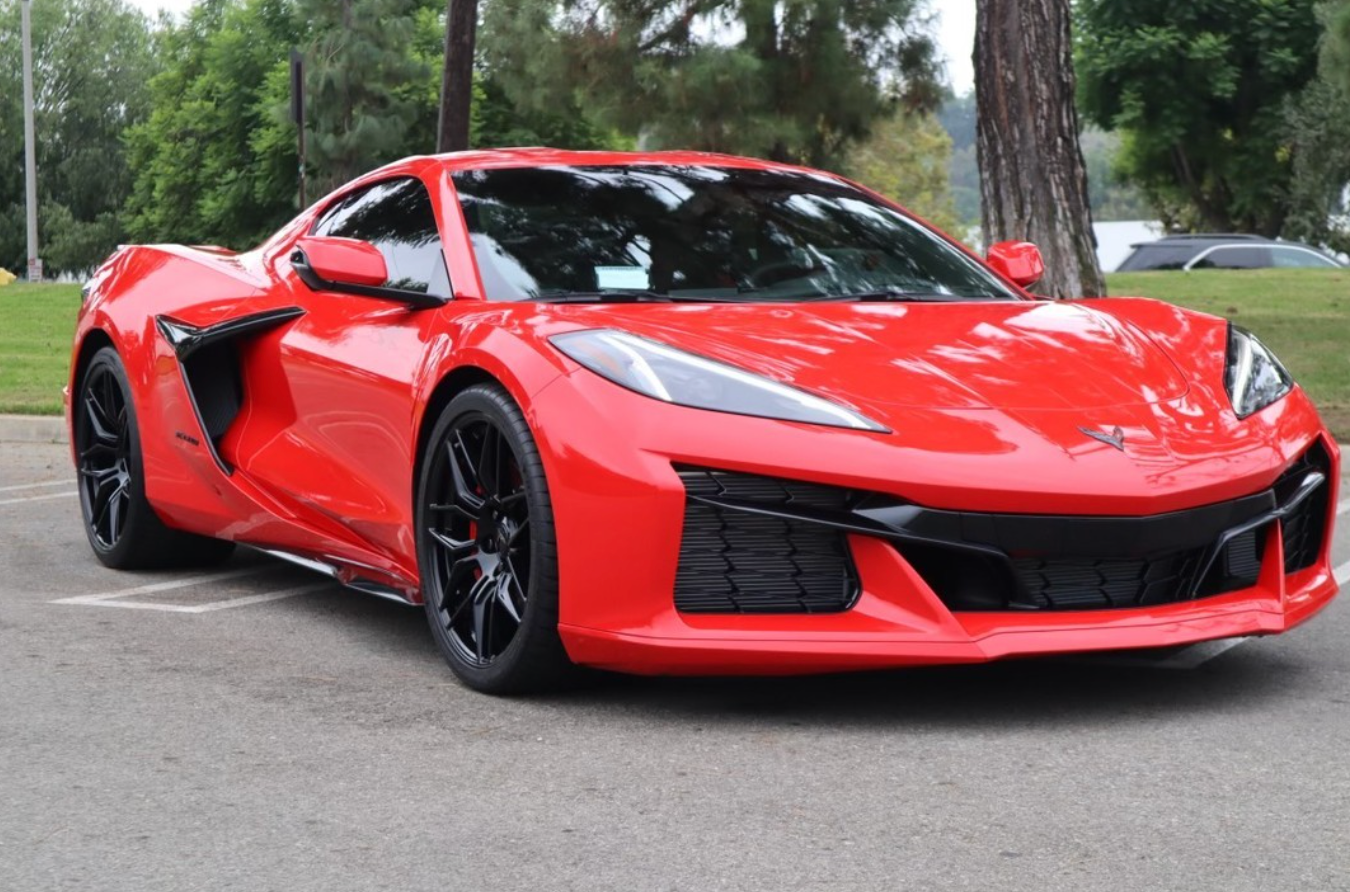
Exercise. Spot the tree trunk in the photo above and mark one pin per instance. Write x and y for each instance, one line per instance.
(1032, 178)
(461, 25)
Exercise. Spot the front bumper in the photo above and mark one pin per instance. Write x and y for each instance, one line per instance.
(620, 515)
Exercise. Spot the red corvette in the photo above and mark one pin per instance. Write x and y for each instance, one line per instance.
(682, 413)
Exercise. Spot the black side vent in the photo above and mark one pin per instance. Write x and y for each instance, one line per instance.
(734, 559)
(209, 359)
(1305, 528)
(213, 375)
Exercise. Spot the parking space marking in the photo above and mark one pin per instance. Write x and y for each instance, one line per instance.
(1342, 574)
(35, 485)
(225, 604)
(46, 498)
(181, 582)
(1343, 507)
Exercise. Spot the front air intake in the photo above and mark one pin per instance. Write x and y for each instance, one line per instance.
(747, 559)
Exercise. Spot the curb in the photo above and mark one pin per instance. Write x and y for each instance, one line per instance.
(32, 429)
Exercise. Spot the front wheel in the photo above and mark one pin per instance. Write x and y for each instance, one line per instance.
(486, 548)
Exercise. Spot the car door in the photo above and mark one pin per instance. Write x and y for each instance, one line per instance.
(338, 449)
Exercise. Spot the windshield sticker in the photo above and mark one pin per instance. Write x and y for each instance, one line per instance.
(622, 277)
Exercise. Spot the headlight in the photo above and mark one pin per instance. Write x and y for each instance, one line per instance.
(662, 372)
(1254, 377)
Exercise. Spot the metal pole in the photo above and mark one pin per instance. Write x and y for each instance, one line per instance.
(298, 114)
(30, 150)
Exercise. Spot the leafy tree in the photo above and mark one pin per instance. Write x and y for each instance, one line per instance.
(1318, 122)
(1198, 90)
(209, 166)
(906, 159)
(798, 80)
(92, 59)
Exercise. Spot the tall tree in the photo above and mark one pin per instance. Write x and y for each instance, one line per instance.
(802, 80)
(907, 159)
(461, 26)
(92, 59)
(363, 84)
(1032, 177)
(1199, 91)
(209, 167)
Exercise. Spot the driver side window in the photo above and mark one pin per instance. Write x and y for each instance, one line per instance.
(396, 217)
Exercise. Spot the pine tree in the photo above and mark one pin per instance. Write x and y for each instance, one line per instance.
(796, 81)
(362, 84)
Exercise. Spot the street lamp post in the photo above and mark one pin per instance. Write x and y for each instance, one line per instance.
(29, 148)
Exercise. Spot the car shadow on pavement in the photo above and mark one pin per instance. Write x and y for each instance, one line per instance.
(1060, 690)
(1055, 691)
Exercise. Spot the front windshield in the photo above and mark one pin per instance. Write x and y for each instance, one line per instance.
(702, 233)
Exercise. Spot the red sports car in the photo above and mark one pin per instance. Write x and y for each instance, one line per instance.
(685, 413)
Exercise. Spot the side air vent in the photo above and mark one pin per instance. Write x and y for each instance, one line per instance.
(209, 359)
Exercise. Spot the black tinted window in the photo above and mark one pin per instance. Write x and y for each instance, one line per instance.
(396, 217)
(700, 232)
(1146, 257)
(1235, 257)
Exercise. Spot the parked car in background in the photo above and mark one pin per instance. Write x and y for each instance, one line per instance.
(1224, 251)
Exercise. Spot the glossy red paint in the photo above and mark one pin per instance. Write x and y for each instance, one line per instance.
(985, 405)
(344, 260)
(1019, 261)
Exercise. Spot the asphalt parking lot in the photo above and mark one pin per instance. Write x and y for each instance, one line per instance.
(254, 727)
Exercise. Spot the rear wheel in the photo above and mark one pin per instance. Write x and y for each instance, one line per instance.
(486, 548)
(123, 529)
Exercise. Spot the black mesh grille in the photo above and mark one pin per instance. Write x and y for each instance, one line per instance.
(735, 561)
(1084, 584)
(1305, 528)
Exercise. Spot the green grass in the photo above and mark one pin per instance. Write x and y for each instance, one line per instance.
(37, 323)
(1303, 315)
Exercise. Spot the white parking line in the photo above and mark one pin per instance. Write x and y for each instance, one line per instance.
(181, 582)
(225, 604)
(35, 485)
(125, 597)
(1343, 507)
(1342, 574)
(58, 495)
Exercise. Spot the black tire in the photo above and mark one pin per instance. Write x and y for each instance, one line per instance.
(486, 548)
(122, 527)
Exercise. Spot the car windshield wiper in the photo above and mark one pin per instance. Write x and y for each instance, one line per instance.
(898, 296)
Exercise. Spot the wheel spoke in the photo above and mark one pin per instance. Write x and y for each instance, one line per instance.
(456, 547)
(520, 530)
(454, 581)
(115, 513)
(98, 420)
(489, 461)
(464, 474)
(458, 510)
(511, 593)
(514, 498)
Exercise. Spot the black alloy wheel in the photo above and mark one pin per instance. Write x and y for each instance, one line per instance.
(103, 432)
(123, 529)
(486, 547)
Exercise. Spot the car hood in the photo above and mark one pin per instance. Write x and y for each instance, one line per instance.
(1014, 355)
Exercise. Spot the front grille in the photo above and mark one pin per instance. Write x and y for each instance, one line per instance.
(1083, 584)
(1305, 528)
(738, 561)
